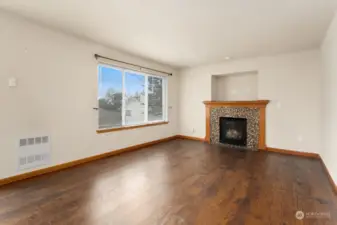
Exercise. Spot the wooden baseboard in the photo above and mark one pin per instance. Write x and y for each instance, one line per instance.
(309, 155)
(81, 161)
(190, 138)
(63, 166)
(291, 152)
(332, 182)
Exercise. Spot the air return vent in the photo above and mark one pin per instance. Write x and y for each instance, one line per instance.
(33, 152)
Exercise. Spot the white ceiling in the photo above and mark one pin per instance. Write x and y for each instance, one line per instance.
(185, 33)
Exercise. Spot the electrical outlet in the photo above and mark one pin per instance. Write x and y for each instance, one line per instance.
(300, 138)
(193, 130)
(12, 82)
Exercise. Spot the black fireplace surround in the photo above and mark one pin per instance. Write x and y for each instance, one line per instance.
(233, 131)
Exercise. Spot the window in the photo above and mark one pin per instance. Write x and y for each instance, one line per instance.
(129, 98)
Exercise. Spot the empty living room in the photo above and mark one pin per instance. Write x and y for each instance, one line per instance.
(168, 112)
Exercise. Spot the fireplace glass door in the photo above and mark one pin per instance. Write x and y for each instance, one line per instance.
(233, 131)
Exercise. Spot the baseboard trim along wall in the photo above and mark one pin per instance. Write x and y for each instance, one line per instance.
(190, 138)
(63, 166)
(308, 155)
(81, 161)
(333, 184)
(292, 152)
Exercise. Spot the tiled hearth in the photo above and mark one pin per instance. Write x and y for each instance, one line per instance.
(253, 111)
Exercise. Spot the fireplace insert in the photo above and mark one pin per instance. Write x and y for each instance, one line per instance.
(233, 131)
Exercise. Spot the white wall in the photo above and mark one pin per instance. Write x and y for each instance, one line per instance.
(290, 81)
(329, 99)
(235, 87)
(57, 88)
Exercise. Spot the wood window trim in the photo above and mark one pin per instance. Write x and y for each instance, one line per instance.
(130, 127)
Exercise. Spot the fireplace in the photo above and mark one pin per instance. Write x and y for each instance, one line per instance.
(233, 131)
(242, 123)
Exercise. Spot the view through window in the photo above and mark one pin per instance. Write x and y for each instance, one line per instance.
(128, 98)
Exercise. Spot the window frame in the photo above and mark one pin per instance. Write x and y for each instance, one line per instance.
(146, 122)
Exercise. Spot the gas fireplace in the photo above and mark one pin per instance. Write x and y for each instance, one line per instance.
(233, 131)
(236, 123)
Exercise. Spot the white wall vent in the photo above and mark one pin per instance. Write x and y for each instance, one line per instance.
(33, 152)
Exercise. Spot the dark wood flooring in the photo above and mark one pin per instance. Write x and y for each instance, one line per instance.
(178, 182)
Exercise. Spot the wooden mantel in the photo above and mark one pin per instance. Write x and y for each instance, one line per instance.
(253, 104)
(260, 104)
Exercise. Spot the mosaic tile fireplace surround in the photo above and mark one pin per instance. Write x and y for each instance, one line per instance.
(253, 112)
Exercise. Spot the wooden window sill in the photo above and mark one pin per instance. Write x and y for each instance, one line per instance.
(130, 127)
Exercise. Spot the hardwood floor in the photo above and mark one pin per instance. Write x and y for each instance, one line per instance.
(179, 182)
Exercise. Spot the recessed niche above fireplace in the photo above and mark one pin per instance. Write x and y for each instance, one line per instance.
(233, 131)
(235, 87)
